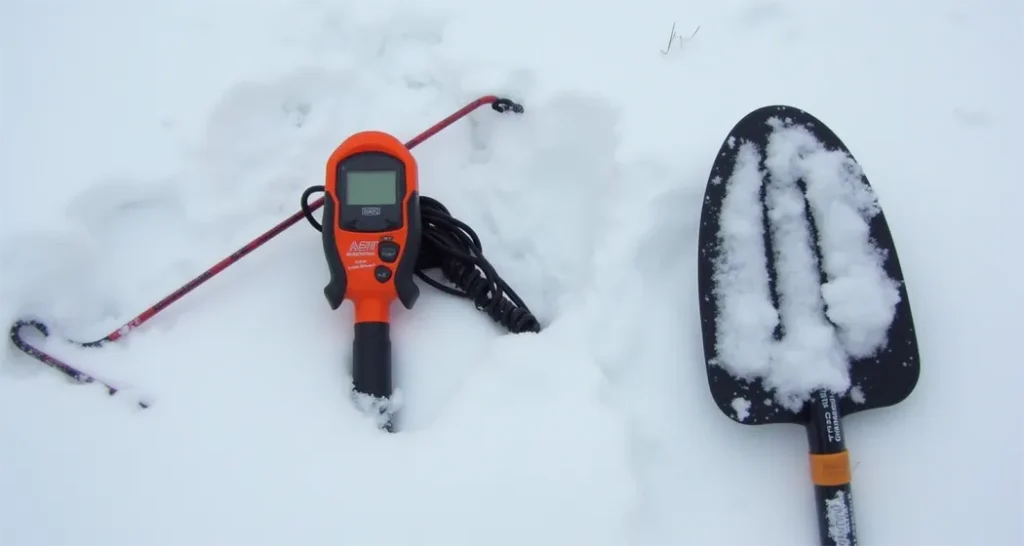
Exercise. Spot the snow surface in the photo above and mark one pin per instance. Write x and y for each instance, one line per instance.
(142, 142)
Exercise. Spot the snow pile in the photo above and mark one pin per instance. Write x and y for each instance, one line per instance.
(807, 356)
(859, 297)
(747, 318)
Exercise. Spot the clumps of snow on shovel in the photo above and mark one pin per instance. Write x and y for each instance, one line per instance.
(822, 323)
(746, 316)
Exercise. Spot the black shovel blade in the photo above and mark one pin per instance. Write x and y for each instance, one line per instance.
(882, 379)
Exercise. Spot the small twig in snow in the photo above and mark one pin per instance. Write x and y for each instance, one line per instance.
(672, 37)
(681, 40)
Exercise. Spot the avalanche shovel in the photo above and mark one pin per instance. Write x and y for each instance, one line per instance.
(804, 311)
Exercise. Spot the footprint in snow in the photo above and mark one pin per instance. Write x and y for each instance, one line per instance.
(141, 236)
(539, 198)
(263, 143)
(125, 243)
(51, 276)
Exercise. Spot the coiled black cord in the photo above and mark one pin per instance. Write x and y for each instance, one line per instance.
(453, 247)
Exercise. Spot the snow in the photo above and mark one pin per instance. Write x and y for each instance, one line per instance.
(808, 356)
(860, 297)
(144, 141)
(747, 317)
(742, 408)
(846, 316)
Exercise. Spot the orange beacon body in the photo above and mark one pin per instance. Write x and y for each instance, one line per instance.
(371, 238)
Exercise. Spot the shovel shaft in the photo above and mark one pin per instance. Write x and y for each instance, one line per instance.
(830, 472)
(835, 515)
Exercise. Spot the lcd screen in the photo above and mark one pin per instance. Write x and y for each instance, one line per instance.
(372, 187)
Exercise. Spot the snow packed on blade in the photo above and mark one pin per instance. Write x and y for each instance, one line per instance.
(800, 181)
(860, 298)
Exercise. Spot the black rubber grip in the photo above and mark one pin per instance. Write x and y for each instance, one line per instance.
(371, 359)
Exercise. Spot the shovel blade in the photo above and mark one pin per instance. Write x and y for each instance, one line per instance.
(881, 379)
